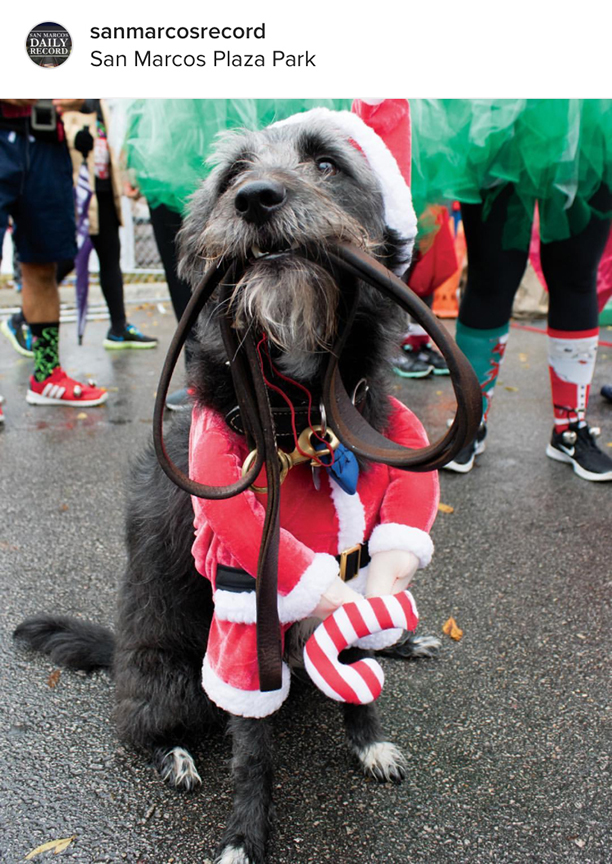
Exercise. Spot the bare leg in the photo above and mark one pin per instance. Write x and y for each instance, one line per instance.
(40, 294)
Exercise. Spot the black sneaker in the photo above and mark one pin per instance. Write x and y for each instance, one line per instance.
(18, 333)
(464, 460)
(131, 337)
(577, 447)
(430, 355)
(606, 392)
(410, 364)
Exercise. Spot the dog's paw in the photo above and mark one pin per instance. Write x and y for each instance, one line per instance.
(383, 761)
(234, 855)
(413, 647)
(177, 768)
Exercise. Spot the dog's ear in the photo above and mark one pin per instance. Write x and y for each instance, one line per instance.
(192, 261)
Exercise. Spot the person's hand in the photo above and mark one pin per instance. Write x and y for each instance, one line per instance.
(390, 572)
(63, 105)
(336, 595)
(19, 102)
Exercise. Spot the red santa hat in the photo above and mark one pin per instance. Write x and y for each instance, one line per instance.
(380, 129)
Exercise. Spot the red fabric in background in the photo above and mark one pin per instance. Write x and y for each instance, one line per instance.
(437, 258)
(11, 111)
(391, 120)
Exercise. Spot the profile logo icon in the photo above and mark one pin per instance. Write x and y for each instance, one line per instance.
(48, 45)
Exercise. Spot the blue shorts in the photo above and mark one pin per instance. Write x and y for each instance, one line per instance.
(36, 191)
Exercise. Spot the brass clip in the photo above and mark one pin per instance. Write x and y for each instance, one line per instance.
(288, 460)
(308, 451)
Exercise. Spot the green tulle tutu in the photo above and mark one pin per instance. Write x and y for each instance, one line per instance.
(557, 152)
(168, 141)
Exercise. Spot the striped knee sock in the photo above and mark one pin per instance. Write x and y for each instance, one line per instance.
(485, 351)
(571, 362)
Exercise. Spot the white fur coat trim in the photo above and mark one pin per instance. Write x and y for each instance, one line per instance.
(394, 536)
(244, 703)
(240, 607)
(351, 516)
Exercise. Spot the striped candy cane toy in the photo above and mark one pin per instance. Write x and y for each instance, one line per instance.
(360, 682)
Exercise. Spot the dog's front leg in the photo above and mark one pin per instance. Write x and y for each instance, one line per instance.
(379, 758)
(245, 837)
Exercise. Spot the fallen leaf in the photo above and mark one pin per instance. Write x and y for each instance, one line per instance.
(511, 389)
(450, 628)
(56, 845)
(445, 508)
(82, 416)
(523, 358)
(608, 443)
(64, 508)
(54, 678)
(439, 392)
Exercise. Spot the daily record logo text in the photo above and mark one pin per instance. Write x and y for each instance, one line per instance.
(48, 45)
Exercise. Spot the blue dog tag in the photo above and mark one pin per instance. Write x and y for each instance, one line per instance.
(345, 469)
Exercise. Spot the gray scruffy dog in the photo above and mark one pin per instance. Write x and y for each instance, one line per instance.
(286, 187)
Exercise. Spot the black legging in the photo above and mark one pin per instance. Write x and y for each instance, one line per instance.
(108, 249)
(166, 225)
(495, 271)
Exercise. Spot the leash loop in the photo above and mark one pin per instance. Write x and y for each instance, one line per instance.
(348, 265)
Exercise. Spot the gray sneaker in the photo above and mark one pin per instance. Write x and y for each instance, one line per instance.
(410, 365)
(178, 401)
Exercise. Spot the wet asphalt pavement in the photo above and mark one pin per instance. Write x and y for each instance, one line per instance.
(507, 734)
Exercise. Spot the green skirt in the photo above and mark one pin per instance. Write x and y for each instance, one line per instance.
(168, 141)
(557, 152)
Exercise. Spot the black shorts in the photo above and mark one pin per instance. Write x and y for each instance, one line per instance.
(36, 191)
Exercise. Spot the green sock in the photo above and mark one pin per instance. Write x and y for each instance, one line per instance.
(45, 344)
(485, 351)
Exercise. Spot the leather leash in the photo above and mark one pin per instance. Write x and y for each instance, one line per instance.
(348, 265)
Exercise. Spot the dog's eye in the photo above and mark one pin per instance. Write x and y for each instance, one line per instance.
(326, 166)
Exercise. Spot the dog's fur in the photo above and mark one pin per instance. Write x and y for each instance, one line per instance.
(165, 606)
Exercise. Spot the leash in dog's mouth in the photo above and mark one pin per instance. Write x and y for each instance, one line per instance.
(257, 253)
(348, 265)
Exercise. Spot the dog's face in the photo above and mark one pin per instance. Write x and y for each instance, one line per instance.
(285, 188)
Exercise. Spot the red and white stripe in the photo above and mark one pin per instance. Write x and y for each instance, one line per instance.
(360, 682)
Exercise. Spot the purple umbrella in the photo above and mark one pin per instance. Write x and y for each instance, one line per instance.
(82, 194)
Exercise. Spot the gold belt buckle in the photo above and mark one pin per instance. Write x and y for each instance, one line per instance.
(344, 556)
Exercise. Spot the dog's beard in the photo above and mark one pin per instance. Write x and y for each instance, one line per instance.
(292, 300)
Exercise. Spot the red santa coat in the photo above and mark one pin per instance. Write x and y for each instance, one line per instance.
(392, 509)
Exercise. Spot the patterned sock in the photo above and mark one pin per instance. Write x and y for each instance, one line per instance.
(485, 351)
(45, 344)
(571, 362)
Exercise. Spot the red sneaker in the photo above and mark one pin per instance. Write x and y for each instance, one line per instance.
(59, 389)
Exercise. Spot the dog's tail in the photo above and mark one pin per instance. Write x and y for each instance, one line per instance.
(68, 642)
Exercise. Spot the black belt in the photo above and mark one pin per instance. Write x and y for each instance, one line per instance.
(237, 581)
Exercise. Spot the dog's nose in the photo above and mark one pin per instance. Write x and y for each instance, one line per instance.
(257, 200)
